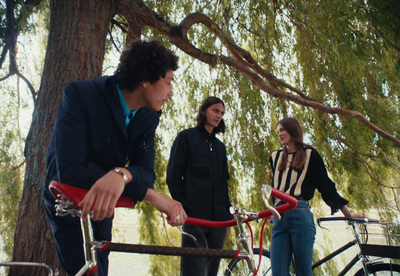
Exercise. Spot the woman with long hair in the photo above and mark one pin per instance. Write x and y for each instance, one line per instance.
(298, 170)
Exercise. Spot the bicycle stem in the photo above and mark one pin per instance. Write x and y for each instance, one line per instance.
(358, 238)
(266, 191)
(244, 238)
(89, 249)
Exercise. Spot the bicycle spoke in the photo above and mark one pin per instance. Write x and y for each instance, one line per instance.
(240, 267)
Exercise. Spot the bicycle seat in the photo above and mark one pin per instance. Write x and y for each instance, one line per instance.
(76, 195)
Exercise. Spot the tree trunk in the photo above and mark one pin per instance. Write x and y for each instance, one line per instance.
(75, 50)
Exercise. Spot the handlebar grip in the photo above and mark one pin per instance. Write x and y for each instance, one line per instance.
(76, 195)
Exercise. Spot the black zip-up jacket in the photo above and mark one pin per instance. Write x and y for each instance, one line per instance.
(197, 174)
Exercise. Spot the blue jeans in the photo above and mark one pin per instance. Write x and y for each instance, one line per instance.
(294, 235)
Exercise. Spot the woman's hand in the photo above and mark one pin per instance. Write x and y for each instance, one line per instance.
(346, 212)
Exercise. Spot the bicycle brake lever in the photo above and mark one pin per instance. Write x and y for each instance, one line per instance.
(319, 224)
(266, 193)
(187, 234)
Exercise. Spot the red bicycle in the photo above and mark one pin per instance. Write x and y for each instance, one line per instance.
(256, 261)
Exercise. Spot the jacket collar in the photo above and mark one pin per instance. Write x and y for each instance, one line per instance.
(204, 133)
(108, 88)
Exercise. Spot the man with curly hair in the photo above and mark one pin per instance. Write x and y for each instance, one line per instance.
(103, 141)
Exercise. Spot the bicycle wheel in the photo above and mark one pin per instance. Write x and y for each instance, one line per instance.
(238, 267)
(381, 270)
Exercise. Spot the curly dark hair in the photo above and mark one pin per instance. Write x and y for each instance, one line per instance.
(144, 61)
(202, 118)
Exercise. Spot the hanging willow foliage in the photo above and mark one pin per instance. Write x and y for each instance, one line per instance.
(335, 53)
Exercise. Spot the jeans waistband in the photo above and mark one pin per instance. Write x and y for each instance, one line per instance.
(302, 201)
(299, 199)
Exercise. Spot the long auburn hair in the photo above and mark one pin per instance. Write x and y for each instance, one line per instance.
(292, 126)
(202, 118)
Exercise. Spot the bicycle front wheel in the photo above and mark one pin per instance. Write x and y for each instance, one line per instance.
(381, 270)
(238, 267)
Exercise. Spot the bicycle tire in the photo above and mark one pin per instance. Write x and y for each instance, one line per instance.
(385, 269)
(238, 267)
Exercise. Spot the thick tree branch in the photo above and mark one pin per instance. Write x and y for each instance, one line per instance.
(6, 77)
(241, 61)
(30, 86)
(3, 55)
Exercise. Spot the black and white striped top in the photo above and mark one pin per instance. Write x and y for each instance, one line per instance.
(303, 183)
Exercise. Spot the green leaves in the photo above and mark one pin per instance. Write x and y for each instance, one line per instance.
(11, 174)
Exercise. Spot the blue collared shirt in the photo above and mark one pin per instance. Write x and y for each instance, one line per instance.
(127, 112)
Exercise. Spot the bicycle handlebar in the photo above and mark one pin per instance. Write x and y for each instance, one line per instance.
(76, 195)
(290, 204)
(351, 219)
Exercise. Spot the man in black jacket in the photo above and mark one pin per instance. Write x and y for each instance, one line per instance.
(197, 176)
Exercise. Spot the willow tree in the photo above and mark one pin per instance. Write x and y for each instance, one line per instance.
(334, 65)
